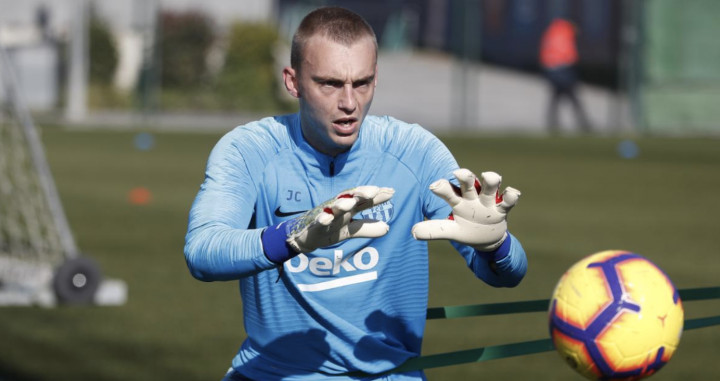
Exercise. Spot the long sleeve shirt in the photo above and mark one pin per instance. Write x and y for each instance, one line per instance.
(357, 306)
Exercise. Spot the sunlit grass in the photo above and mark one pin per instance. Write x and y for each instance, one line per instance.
(579, 197)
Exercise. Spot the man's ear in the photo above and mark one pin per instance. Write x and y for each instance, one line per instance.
(291, 83)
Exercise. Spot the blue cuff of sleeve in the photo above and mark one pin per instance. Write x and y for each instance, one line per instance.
(498, 254)
(275, 246)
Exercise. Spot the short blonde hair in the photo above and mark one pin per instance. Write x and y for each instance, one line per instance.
(338, 24)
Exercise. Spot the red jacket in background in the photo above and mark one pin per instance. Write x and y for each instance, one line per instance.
(557, 47)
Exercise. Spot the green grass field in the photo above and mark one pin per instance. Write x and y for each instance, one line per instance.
(579, 197)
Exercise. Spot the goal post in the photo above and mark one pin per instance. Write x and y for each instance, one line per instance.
(39, 260)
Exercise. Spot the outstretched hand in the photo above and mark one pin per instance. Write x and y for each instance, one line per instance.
(331, 221)
(479, 211)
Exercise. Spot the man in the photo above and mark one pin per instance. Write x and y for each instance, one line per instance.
(337, 289)
(558, 58)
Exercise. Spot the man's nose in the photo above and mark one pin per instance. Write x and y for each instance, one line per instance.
(347, 100)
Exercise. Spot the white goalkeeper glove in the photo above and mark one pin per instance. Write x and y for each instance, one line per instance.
(479, 212)
(328, 223)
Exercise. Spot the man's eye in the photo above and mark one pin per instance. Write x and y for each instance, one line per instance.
(335, 84)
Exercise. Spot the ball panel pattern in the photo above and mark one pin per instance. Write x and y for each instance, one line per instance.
(615, 315)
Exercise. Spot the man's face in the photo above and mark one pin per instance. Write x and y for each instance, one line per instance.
(335, 86)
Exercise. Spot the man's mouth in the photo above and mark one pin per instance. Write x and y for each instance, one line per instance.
(345, 125)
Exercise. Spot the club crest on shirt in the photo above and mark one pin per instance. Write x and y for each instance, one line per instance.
(383, 212)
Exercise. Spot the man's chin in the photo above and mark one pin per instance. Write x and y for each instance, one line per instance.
(344, 142)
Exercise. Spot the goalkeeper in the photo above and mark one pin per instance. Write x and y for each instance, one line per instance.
(323, 217)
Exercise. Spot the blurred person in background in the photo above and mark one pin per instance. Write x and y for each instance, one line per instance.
(558, 59)
(323, 217)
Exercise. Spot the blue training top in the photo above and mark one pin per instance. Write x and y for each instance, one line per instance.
(357, 306)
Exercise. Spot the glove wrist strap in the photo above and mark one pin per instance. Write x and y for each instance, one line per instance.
(499, 252)
(274, 242)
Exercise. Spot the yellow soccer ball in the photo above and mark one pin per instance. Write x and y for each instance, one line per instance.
(615, 315)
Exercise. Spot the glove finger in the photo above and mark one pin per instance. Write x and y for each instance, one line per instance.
(490, 183)
(340, 212)
(509, 199)
(329, 211)
(467, 183)
(380, 196)
(325, 218)
(435, 229)
(383, 195)
(362, 192)
(342, 205)
(365, 228)
(443, 189)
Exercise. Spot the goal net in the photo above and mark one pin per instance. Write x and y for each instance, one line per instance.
(39, 259)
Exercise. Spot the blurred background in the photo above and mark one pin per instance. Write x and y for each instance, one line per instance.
(129, 97)
(644, 66)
